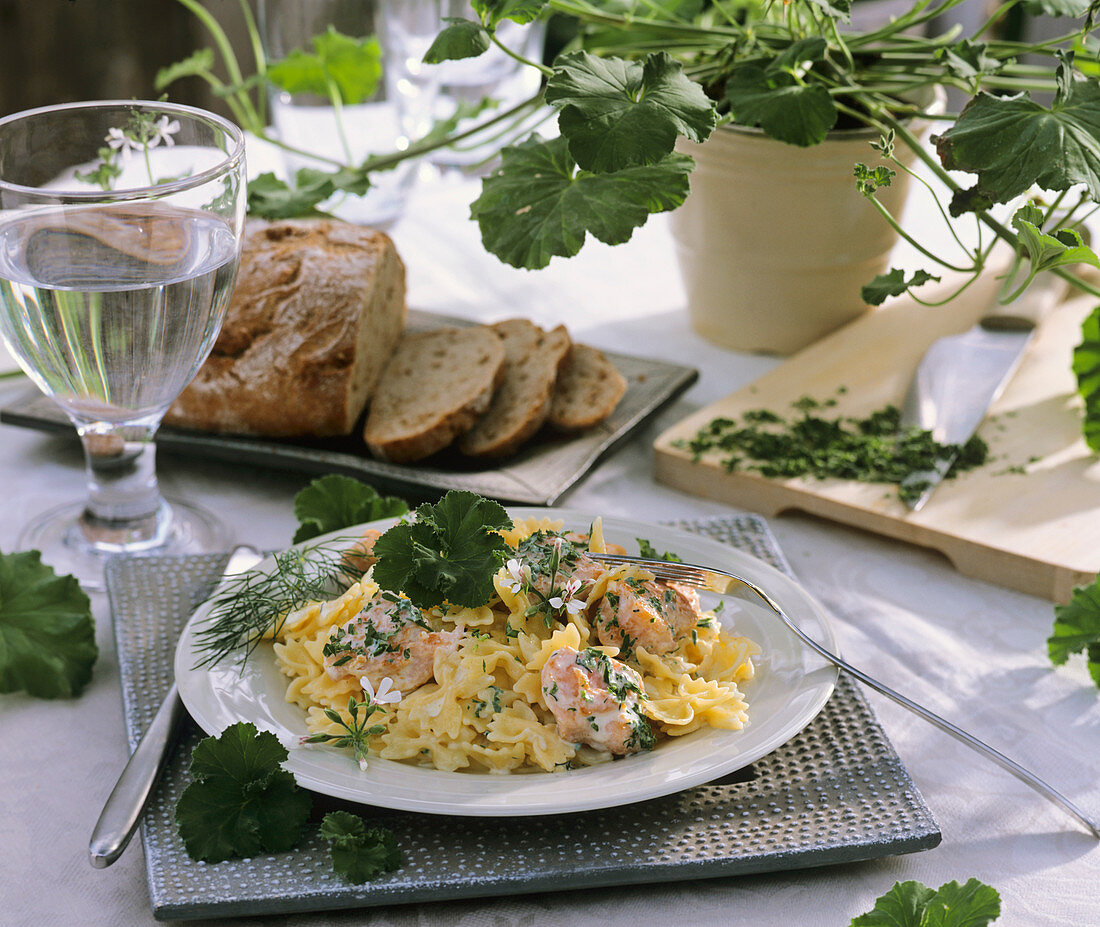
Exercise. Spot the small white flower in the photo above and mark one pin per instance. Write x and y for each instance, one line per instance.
(122, 143)
(568, 599)
(363, 763)
(163, 130)
(518, 574)
(386, 694)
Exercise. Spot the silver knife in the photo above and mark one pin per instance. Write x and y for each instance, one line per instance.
(122, 812)
(961, 376)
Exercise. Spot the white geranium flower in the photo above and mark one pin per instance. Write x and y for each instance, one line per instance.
(568, 598)
(122, 143)
(386, 694)
(163, 130)
(518, 573)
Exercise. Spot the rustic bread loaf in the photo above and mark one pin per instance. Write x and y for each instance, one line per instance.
(436, 386)
(318, 308)
(532, 358)
(587, 391)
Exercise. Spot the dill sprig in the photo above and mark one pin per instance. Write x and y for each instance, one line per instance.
(257, 602)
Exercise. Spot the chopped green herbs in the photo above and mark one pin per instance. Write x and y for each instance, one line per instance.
(241, 802)
(47, 634)
(872, 449)
(359, 852)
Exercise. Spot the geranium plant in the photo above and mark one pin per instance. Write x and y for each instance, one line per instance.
(639, 74)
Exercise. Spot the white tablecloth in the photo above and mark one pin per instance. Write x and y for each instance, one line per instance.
(971, 651)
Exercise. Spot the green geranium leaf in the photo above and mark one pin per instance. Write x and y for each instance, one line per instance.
(334, 502)
(1012, 143)
(47, 633)
(195, 65)
(1077, 629)
(618, 114)
(538, 205)
(359, 853)
(339, 64)
(869, 180)
(893, 283)
(1086, 367)
(241, 802)
(461, 38)
(912, 904)
(1046, 251)
(520, 11)
(448, 554)
(798, 114)
(271, 198)
(968, 60)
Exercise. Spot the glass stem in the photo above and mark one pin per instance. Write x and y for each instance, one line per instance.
(125, 506)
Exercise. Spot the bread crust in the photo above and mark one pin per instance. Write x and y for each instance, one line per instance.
(435, 388)
(318, 308)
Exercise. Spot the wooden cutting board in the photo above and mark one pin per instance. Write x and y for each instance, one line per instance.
(1037, 531)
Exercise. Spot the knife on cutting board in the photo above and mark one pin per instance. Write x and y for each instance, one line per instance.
(961, 376)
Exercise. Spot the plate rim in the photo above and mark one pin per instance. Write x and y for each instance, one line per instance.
(189, 678)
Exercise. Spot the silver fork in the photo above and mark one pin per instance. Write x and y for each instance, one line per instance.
(723, 583)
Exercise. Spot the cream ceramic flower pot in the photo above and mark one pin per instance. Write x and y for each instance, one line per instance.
(774, 241)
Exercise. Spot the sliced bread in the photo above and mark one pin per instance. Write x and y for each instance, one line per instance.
(435, 388)
(532, 358)
(587, 391)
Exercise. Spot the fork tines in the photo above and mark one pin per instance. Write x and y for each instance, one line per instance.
(662, 569)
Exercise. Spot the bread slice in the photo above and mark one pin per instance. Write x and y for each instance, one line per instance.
(436, 386)
(588, 390)
(317, 311)
(532, 358)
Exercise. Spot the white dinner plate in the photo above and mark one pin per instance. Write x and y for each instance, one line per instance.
(790, 687)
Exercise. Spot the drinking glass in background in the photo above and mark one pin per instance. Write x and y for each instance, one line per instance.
(120, 236)
(493, 75)
(395, 115)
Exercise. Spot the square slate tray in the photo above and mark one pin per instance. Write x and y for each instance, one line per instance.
(538, 474)
(837, 792)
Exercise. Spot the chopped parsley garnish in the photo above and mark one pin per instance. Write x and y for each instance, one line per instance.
(646, 549)
(872, 449)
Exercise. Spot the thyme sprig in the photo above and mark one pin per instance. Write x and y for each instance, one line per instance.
(257, 602)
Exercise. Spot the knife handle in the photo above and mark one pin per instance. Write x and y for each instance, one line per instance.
(120, 816)
(1026, 311)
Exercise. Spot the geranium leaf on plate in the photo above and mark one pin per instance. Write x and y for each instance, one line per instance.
(618, 113)
(538, 205)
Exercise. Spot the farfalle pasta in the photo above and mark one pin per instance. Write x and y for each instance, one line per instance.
(527, 682)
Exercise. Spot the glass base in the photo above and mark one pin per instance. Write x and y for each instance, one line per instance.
(65, 547)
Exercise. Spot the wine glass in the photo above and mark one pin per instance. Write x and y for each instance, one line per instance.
(120, 236)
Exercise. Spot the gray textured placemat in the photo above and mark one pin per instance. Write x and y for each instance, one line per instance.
(837, 792)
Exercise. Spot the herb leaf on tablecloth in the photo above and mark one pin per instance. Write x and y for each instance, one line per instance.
(912, 904)
(241, 802)
(448, 554)
(333, 502)
(359, 853)
(47, 633)
(1077, 628)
